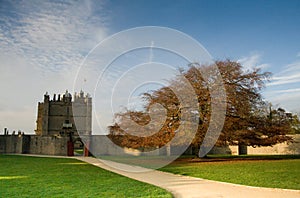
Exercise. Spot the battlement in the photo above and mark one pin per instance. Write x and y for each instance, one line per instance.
(67, 97)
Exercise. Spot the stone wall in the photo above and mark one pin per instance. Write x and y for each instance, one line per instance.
(14, 143)
(278, 149)
(48, 145)
(101, 145)
(220, 150)
(32, 144)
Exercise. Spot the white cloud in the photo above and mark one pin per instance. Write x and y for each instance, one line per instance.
(252, 62)
(42, 45)
(288, 99)
(284, 87)
(290, 74)
(51, 35)
(287, 91)
(281, 89)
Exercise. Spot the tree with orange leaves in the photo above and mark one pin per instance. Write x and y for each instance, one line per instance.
(245, 122)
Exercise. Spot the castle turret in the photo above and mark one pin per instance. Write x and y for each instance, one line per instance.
(45, 114)
(88, 115)
(46, 97)
(42, 116)
(67, 97)
(62, 115)
(81, 94)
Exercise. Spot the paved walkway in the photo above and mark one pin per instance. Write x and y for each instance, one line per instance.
(184, 186)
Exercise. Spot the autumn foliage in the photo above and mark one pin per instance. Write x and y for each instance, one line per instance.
(249, 120)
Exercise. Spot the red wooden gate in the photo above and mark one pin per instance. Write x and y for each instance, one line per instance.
(70, 148)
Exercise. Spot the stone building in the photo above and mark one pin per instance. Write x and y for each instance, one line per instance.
(63, 116)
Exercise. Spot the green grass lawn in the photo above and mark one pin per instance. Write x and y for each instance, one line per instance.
(22, 176)
(284, 173)
(78, 151)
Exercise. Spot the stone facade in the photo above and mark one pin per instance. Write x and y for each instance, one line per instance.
(61, 115)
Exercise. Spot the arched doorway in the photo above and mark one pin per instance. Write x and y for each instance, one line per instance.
(78, 146)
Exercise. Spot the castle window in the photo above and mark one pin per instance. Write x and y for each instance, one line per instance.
(67, 124)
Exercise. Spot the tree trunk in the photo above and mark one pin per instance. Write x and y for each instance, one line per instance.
(242, 149)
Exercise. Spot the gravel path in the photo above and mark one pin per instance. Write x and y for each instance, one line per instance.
(184, 186)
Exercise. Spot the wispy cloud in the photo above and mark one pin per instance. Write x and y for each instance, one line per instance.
(288, 99)
(290, 74)
(252, 61)
(42, 45)
(287, 91)
(51, 35)
(283, 90)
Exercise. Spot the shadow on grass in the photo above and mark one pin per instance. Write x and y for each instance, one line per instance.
(218, 158)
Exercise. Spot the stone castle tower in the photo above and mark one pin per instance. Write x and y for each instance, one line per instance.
(64, 116)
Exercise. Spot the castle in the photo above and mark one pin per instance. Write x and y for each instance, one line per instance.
(62, 116)
(60, 126)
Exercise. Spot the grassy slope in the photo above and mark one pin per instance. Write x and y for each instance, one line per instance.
(265, 173)
(49, 177)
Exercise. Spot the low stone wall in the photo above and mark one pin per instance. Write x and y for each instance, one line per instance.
(32, 144)
(220, 150)
(48, 145)
(278, 149)
(14, 143)
(101, 145)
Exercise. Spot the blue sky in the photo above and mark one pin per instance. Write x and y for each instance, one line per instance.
(43, 43)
